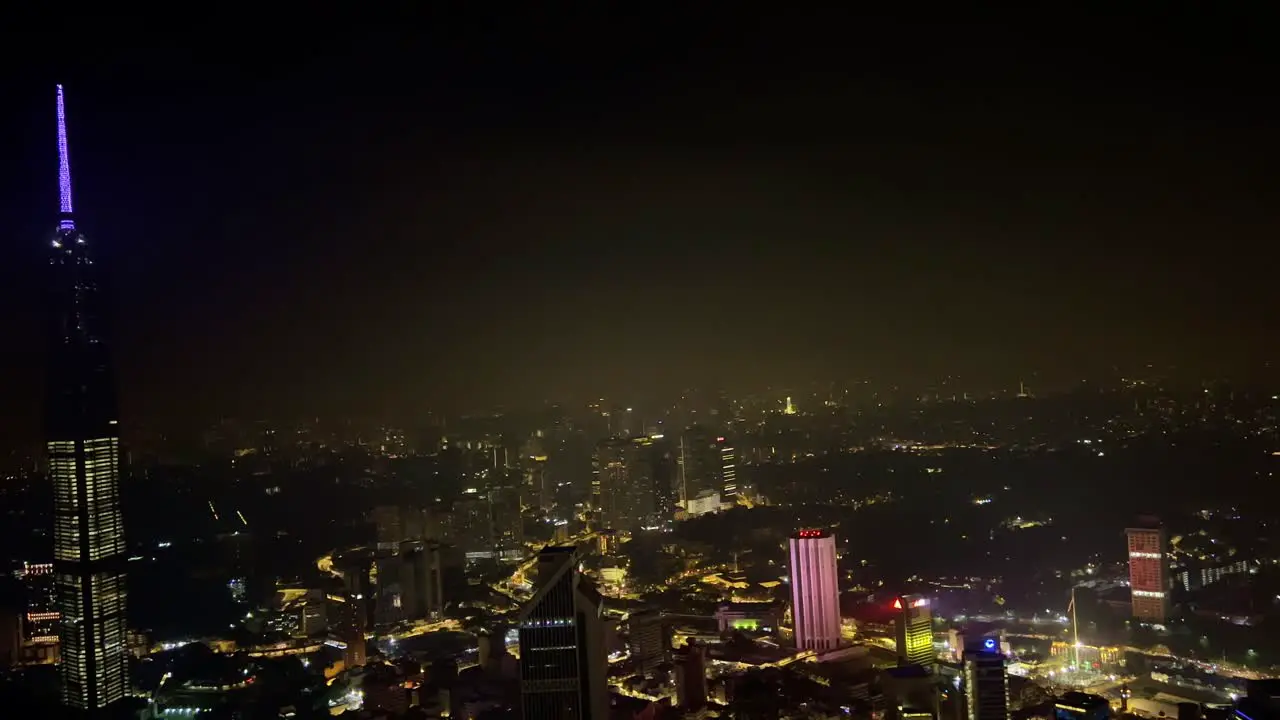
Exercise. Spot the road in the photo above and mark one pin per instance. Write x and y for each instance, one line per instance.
(512, 586)
(423, 627)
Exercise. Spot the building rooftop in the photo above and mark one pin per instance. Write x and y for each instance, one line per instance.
(1081, 702)
(906, 672)
(557, 550)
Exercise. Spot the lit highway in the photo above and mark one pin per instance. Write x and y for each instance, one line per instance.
(513, 587)
(422, 627)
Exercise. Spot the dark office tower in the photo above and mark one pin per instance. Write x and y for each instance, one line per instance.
(693, 465)
(570, 466)
(662, 477)
(914, 626)
(422, 582)
(82, 444)
(691, 677)
(986, 686)
(539, 488)
(388, 596)
(623, 484)
(348, 626)
(472, 524)
(911, 692)
(708, 463)
(562, 653)
(1148, 570)
(648, 640)
(361, 591)
(610, 486)
(508, 523)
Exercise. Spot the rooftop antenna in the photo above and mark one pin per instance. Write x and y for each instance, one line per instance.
(64, 169)
(1075, 629)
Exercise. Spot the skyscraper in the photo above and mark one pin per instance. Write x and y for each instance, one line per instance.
(422, 581)
(627, 490)
(649, 642)
(562, 653)
(914, 626)
(986, 686)
(815, 591)
(507, 521)
(698, 459)
(707, 463)
(539, 485)
(471, 522)
(691, 677)
(663, 481)
(1148, 570)
(348, 625)
(728, 467)
(83, 452)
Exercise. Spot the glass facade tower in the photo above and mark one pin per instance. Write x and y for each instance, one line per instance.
(83, 458)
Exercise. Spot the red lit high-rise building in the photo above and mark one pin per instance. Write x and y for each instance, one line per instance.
(815, 590)
(1148, 571)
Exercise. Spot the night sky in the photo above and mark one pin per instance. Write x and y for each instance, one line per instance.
(337, 215)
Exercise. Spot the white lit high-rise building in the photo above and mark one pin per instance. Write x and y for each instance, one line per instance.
(729, 488)
(815, 590)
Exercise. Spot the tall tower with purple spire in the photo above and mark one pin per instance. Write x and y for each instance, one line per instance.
(82, 445)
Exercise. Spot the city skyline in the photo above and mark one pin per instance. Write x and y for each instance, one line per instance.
(599, 363)
(373, 220)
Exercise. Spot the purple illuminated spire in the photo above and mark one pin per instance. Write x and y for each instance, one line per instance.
(64, 167)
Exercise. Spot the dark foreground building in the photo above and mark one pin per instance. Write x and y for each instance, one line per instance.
(562, 655)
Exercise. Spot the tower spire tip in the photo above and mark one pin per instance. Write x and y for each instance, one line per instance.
(64, 167)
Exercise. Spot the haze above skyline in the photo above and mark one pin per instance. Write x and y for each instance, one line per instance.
(448, 211)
